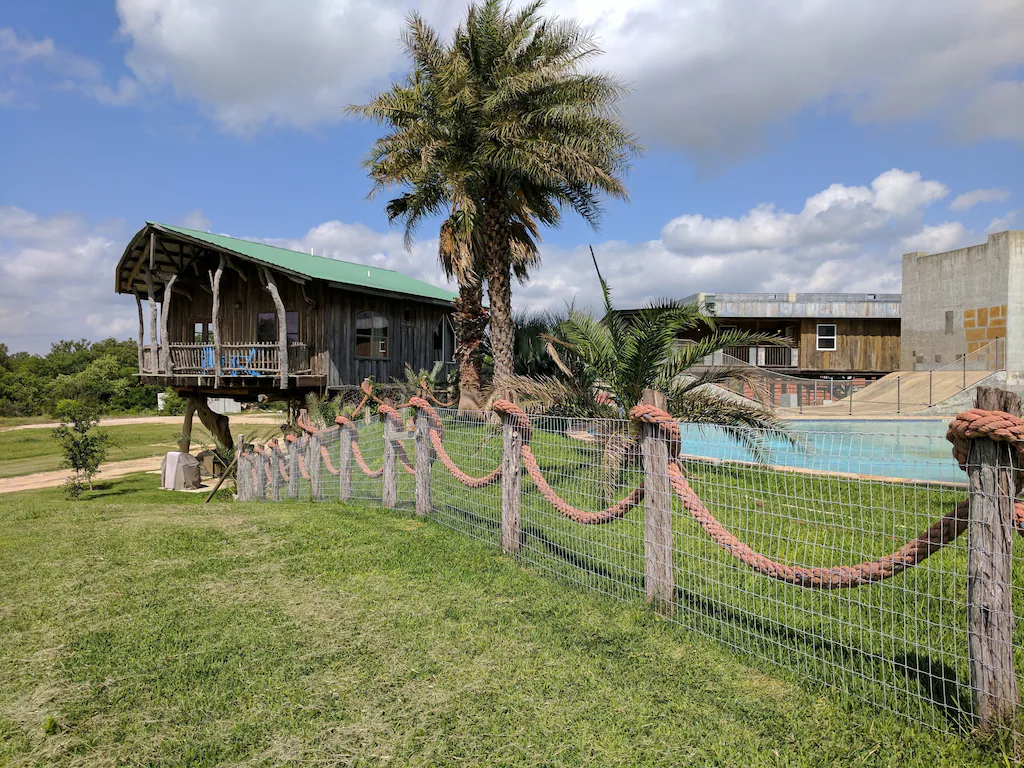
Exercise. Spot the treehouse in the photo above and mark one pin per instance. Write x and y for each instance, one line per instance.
(235, 318)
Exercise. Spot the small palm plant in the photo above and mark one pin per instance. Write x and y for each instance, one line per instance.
(322, 411)
(607, 364)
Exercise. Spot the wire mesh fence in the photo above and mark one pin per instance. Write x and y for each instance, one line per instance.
(836, 555)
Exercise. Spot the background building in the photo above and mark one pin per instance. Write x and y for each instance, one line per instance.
(966, 306)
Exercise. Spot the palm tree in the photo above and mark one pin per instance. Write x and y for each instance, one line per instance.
(500, 130)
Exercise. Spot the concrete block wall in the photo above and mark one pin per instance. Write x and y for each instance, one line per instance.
(955, 303)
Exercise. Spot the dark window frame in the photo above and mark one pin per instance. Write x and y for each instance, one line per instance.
(290, 318)
(833, 337)
(447, 321)
(373, 336)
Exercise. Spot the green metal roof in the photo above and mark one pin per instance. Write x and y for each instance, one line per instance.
(318, 267)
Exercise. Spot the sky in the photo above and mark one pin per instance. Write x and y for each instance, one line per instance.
(790, 146)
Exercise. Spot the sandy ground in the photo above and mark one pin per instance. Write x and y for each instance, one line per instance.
(236, 418)
(57, 477)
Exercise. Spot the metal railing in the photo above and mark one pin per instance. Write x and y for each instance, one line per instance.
(765, 356)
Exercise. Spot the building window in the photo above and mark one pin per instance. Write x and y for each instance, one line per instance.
(826, 337)
(444, 341)
(949, 323)
(371, 335)
(201, 332)
(266, 326)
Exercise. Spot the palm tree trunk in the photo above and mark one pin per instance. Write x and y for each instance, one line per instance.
(499, 290)
(469, 321)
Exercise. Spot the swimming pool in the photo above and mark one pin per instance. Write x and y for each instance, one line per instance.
(912, 449)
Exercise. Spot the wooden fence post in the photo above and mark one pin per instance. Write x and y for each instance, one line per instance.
(659, 577)
(991, 468)
(424, 505)
(345, 463)
(242, 480)
(314, 463)
(275, 475)
(389, 496)
(293, 468)
(511, 464)
(261, 477)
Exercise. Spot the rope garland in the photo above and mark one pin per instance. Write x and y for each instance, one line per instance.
(967, 426)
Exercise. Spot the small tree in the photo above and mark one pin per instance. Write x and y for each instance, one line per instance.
(84, 446)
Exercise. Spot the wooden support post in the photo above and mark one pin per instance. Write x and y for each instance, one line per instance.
(424, 459)
(165, 343)
(185, 441)
(293, 469)
(659, 576)
(218, 363)
(142, 334)
(282, 326)
(154, 345)
(511, 464)
(344, 464)
(217, 424)
(990, 469)
(390, 492)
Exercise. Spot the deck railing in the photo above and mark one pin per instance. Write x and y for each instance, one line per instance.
(254, 358)
(765, 357)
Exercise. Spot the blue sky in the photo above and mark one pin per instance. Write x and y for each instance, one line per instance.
(805, 148)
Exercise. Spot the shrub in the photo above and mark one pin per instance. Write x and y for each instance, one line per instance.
(84, 447)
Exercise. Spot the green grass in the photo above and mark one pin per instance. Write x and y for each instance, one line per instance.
(144, 628)
(900, 645)
(25, 451)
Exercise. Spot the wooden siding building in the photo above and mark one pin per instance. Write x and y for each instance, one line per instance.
(235, 318)
(830, 335)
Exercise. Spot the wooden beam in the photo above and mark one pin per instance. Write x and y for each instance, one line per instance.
(142, 332)
(241, 273)
(164, 312)
(215, 286)
(154, 347)
(282, 325)
(185, 442)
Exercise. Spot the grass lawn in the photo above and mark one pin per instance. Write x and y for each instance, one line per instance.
(144, 628)
(25, 451)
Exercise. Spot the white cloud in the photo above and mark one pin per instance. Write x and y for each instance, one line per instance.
(56, 280)
(55, 272)
(195, 220)
(26, 65)
(709, 76)
(1001, 223)
(970, 199)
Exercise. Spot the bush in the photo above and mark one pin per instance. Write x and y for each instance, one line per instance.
(174, 404)
(84, 447)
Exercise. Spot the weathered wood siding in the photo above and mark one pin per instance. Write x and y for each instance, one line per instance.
(326, 321)
(866, 345)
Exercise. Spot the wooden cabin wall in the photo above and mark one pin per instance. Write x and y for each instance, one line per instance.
(867, 345)
(326, 322)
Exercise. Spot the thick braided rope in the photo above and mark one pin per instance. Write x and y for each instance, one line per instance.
(435, 431)
(392, 415)
(467, 480)
(433, 398)
(910, 554)
(363, 466)
(582, 516)
(975, 423)
(326, 456)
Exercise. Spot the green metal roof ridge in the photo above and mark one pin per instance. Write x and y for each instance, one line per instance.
(319, 267)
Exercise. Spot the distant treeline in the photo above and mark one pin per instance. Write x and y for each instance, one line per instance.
(102, 372)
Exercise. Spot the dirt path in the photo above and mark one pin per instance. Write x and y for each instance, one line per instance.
(236, 418)
(57, 477)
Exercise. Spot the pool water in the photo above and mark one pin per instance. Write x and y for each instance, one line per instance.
(911, 449)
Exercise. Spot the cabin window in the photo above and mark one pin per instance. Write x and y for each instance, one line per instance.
(201, 333)
(826, 337)
(371, 335)
(266, 326)
(444, 341)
